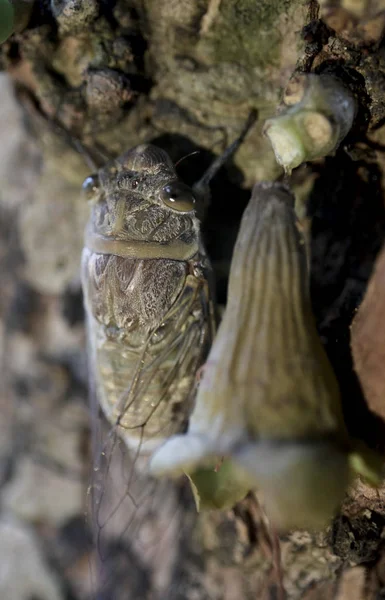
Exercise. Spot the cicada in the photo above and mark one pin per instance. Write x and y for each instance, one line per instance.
(150, 318)
(145, 282)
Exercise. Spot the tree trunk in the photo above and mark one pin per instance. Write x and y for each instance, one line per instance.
(97, 78)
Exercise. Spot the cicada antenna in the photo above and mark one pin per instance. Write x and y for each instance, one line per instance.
(202, 187)
(186, 156)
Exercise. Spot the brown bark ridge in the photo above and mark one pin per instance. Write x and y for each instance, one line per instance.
(367, 340)
(183, 75)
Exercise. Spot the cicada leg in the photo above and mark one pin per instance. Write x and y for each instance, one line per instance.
(202, 187)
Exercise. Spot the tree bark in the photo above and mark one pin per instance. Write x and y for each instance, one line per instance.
(183, 75)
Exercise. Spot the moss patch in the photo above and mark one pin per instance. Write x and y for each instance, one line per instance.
(248, 32)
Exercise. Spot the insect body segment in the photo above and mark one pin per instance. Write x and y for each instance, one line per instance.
(146, 295)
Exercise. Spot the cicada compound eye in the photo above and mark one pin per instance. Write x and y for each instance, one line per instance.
(178, 196)
(91, 187)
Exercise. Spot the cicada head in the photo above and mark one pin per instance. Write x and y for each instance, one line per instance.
(139, 198)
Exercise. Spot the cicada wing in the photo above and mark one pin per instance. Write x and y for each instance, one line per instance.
(138, 521)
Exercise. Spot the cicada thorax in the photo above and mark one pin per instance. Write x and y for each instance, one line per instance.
(147, 299)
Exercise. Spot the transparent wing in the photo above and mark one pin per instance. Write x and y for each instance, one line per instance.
(136, 519)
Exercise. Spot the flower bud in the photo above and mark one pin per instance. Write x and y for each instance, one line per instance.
(314, 126)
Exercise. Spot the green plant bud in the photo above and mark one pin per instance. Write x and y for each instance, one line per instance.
(314, 126)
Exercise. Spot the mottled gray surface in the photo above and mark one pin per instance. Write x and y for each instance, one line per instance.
(184, 75)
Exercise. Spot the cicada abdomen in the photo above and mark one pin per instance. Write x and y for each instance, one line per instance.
(147, 299)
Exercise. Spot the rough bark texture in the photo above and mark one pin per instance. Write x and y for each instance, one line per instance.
(183, 75)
